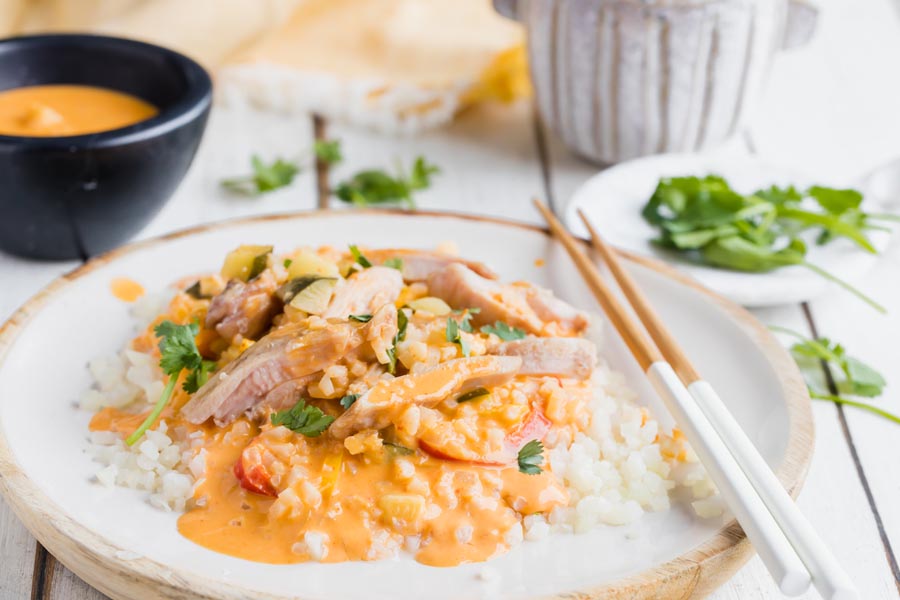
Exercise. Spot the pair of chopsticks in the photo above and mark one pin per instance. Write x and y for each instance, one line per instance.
(786, 542)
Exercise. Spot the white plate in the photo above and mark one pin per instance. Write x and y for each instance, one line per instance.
(614, 198)
(117, 542)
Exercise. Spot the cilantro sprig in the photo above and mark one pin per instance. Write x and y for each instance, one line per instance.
(376, 186)
(504, 331)
(265, 177)
(328, 151)
(178, 352)
(711, 223)
(303, 418)
(531, 457)
(847, 375)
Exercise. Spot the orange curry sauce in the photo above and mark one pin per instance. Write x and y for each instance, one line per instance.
(442, 499)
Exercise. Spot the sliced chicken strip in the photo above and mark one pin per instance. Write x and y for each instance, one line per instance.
(244, 308)
(383, 403)
(286, 354)
(551, 309)
(418, 265)
(282, 396)
(281, 365)
(365, 292)
(564, 357)
(521, 305)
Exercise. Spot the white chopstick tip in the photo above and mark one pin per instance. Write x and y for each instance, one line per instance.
(794, 583)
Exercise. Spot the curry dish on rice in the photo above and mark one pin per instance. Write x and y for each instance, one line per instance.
(332, 405)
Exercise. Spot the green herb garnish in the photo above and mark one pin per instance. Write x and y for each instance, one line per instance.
(402, 323)
(348, 400)
(359, 258)
(197, 378)
(452, 334)
(504, 331)
(398, 449)
(265, 177)
(378, 187)
(328, 151)
(178, 351)
(710, 223)
(476, 393)
(530, 458)
(303, 418)
(287, 263)
(465, 323)
(392, 360)
(196, 292)
(360, 318)
(394, 263)
(848, 375)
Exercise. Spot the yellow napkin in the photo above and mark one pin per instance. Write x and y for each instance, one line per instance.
(398, 65)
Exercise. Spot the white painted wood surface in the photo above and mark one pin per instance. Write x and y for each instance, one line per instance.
(831, 109)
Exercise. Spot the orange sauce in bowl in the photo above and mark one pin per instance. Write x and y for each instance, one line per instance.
(64, 110)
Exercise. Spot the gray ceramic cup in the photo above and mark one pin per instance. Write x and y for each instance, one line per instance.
(619, 79)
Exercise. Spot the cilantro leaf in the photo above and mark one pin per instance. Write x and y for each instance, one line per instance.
(288, 262)
(708, 222)
(392, 359)
(394, 263)
(178, 351)
(328, 151)
(452, 334)
(197, 378)
(530, 457)
(360, 318)
(472, 395)
(835, 201)
(465, 324)
(265, 177)
(504, 331)
(397, 449)
(849, 375)
(303, 418)
(420, 178)
(358, 257)
(402, 323)
(195, 291)
(374, 186)
(348, 400)
(177, 347)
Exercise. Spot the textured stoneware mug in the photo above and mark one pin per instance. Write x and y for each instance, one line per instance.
(618, 79)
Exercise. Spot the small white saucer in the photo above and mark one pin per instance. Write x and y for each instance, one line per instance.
(613, 201)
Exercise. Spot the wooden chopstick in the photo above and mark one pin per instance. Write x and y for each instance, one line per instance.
(827, 574)
(776, 552)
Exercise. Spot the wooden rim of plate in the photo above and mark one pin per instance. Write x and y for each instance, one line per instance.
(119, 574)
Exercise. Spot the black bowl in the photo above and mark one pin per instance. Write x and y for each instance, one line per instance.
(76, 196)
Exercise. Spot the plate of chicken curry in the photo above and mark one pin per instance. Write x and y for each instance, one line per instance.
(371, 404)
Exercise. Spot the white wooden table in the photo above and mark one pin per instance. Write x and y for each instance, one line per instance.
(832, 109)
